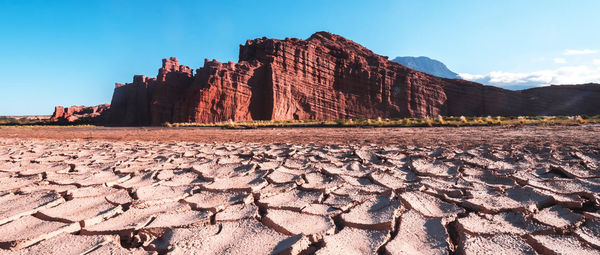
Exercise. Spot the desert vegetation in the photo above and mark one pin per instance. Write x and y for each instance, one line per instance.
(23, 120)
(440, 121)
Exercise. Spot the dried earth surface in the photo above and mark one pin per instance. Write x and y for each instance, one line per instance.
(496, 190)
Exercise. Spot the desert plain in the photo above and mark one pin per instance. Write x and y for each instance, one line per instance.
(440, 190)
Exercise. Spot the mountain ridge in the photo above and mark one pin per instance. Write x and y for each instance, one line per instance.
(427, 65)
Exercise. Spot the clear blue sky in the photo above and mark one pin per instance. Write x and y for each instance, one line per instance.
(72, 52)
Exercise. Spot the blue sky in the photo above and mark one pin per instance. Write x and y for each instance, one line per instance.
(72, 52)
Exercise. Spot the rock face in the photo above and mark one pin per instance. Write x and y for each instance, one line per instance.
(427, 65)
(80, 114)
(323, 77)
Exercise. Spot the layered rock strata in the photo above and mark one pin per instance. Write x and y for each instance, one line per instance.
(80, 114)
(324, 77)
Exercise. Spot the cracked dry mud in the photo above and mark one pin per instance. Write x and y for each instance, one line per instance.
(144, 197)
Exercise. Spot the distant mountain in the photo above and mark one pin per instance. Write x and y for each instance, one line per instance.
(427, 65)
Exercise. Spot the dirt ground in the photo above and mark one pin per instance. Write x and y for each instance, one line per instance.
(481, 190)
(462, 136)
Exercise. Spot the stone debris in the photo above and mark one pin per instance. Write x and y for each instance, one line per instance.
(96, 197)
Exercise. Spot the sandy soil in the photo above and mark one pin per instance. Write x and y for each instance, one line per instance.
(463, 136)
(288, 191)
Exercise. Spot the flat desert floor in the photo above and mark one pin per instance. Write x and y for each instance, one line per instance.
(483, 190)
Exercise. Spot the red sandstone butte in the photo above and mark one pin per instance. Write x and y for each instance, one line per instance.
(324, 77)
(80, 114)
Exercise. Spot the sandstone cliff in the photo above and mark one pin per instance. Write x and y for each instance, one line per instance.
(323, 77)
(81, 114)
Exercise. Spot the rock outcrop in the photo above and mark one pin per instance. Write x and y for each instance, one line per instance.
(81, 114)
(323, 77)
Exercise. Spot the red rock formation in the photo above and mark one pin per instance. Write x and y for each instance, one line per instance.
(80, 114)
(323, 77)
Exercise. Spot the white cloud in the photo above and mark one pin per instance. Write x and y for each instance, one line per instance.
(471, 77)
(596, 61)
(579, 52)
(563, 75)
(560, 60)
